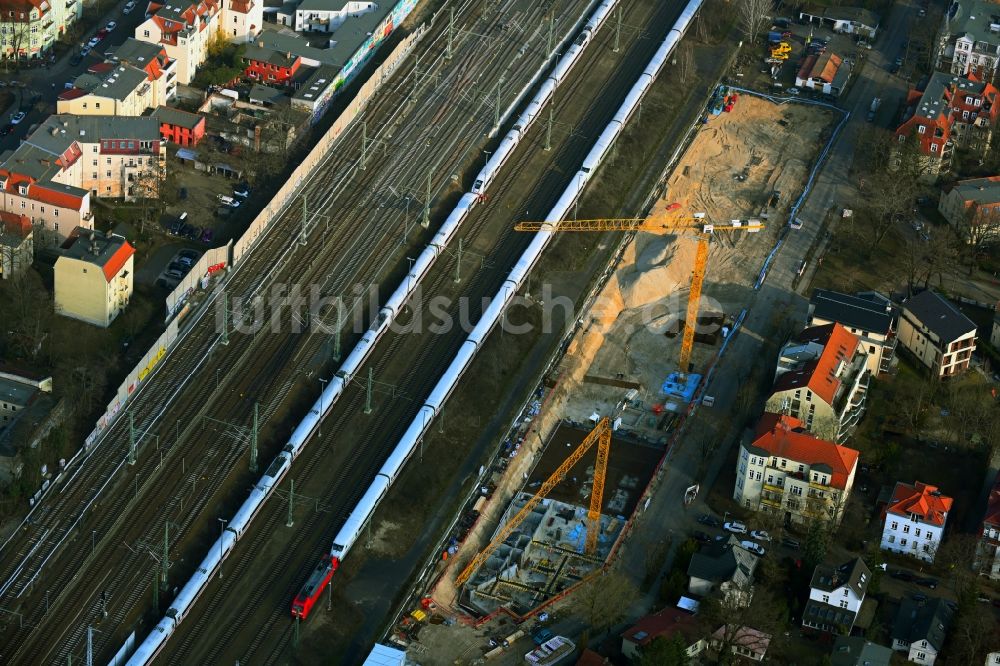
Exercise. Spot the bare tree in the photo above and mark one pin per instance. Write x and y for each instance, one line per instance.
(685, 61)
(767, 613)
(754, 16)
(603, 601)
(980, 229)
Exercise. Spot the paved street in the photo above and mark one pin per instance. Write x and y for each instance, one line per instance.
(41, 85)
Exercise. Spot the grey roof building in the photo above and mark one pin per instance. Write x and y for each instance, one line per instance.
(969, 39)
(835, 596)
(725, 565)
(857, 651)
(937, 334)
(920, 627)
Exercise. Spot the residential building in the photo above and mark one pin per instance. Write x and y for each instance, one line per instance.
(936, 334)
(993, 658)
(30, 28)
(822, 379)
(914, 520)
(590, 658)
(18, 391)
(17, 248)
(857, 651)
(138, 77)
(949, 111)
(726, 566)
(328, 15)
(186, 29)
(920, 628)
(868, 315)
(988, 550)
(973, 207)
(785, 470)
(847, 20)
(93, 277)
(180, 127)
(743, 641)
(969, 39)
(835, 596)
(270, 66)
(827, 73)
(667, 623)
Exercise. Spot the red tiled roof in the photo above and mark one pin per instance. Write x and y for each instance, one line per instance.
(785, 437)
(14, 223)
(591, 658)
(922, 500)
(993, 506)
(116, 261)
(667, 622)
(819, 375)
(39, 192)
(72, 93)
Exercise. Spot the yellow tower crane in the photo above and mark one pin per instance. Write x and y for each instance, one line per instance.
(702, 229)
(600, 434)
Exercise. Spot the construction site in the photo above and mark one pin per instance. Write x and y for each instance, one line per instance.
(633, 364)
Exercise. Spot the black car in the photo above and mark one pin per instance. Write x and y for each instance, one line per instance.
(927, 582)
(788, 542)
(6, 129)
(75, 59)
(708, 519)
(904, 576)
(701, 537)
(919, 597)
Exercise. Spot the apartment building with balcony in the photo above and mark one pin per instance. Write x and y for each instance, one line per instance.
(30, 28)
(937, 334)
(185, 29)
(915, 519)
(835, 596)
(868, 315)
(783, 469)
(93, 277)
(822, 379)
(950, 111)
(968, 41)
(139, 77)
(328, 15)
(988, 550)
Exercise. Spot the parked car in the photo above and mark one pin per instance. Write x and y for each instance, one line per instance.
(195, 233)
(927, 582)
(85, 51)
(129, 6)
(101, 34)
(207, 235)
(735, 527)
(228, 200)
(701, 537)
(794, 91)
(75, 59)
(182, 193)
(189, 255)
(542, 635)
(111, 26)
(789, 542)
(708, 519)
(904, 576)
(753, 547)
(17, 117)
(919, 597)
(6, 129)
(760, 535)
(175, 274)
(241, 191)
(94, 41)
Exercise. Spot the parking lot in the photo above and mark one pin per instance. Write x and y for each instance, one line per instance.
(209, 218)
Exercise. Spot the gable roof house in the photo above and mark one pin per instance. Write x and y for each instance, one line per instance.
(822, 379)
(920, 628)
(857, 651)
(667, 623)
(743, 641)
(835, 596)
(972, 206)
(949, 111)
(725, 565)
(937, 334)
(826, 73)
(867, 314)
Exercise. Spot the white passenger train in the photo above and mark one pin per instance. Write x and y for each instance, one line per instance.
(348, 534)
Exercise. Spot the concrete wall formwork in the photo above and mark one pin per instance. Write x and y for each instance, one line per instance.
(284, 196)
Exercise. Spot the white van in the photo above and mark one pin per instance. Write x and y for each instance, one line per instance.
(229, 201)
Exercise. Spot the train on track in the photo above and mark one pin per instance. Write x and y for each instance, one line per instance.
(349, 532)
(313, 589)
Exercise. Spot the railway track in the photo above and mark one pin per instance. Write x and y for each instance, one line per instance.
(52, 629)
(271, 561)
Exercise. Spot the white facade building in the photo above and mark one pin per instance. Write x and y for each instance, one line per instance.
(915, 520)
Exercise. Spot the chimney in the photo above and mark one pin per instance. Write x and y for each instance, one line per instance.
(256, 138)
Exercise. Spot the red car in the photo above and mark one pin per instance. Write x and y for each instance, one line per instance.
(102, 33)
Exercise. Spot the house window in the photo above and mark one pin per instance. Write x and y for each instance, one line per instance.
(906, 529)
(902, 542)
(934, 147)
(921, 655)
(916, 532)
(968, 100)
(796, 490)
(965, 115)
(108, 173)
(891, 539)
(843, 603)
(921, 129)
(826, 598)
